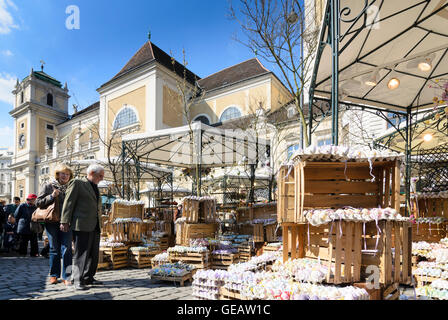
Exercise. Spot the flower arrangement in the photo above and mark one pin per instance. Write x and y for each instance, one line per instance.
(184, 249)
(124, 220)
(128, 202)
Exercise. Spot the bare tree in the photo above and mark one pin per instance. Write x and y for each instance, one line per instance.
(272, 34)
(187, 95)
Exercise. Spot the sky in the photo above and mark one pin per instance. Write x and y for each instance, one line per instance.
(110, 33)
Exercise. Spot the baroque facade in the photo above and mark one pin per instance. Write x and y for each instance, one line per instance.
(144, 96)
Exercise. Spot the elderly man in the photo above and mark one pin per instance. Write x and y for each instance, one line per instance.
(82, 213)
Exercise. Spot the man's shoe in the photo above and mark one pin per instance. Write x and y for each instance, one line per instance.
(93, 282)
(79, 286)
(53, 280)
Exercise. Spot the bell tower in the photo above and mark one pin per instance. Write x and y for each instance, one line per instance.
(40, 104)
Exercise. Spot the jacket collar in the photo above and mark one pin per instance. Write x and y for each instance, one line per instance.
(90, 188)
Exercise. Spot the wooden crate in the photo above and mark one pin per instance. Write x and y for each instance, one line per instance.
(428, 232)
(311, 185)
(116, 256)
(384, 292)
(227, 294)
(244, 252)
(390, 250)
(147, 228)
(164, 226)
(341, 253)
(430, 207)
(197, 231)
(142, 259)
(255, 230)
(163, 242)
(256, 211)
(198, 259)
(181, 280)
(270, 232)
(199, 211)
(267, 248)
(127, 232)
(103, 266)
(126, 211)
(223, 261)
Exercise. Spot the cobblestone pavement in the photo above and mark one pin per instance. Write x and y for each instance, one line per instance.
(27, 278)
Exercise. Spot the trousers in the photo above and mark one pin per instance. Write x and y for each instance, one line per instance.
(85, 255)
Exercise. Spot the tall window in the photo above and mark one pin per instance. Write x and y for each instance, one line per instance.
(203, 119)
(230, 113)
(125, 118)
(50, 99)
(394, 119)
(292, 149)
(21, 97)
(50, 143)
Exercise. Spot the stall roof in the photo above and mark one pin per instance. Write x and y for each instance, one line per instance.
(435, 125)
(390, 37)
(151, 171)
(165, 188)
(200, 144)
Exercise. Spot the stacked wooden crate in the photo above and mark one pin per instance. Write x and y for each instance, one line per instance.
(260, 232)
(200, 220)
(429, 232)
(245, 252)
(126, 232)
(320, 185)
(223, 261)
(199, 259)
(117, 257)
(142, 258)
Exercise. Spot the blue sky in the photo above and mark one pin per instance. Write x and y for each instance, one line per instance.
(110, 33)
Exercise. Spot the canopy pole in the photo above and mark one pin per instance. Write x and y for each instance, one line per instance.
(408, 150)
(123, 155)
(334, 31)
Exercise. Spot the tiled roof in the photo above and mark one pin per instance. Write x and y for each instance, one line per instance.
(242, 71)
(150, 52)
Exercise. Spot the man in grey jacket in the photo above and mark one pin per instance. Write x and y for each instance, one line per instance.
(81, 213)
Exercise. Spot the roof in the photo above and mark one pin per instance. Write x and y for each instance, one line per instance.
(239, 72)
(149, 52)
(392, 42)
(92, 107)
(45, 77)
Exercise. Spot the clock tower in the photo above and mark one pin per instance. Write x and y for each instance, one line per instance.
(40, 104)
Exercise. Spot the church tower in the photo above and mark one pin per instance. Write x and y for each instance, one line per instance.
(40, 104)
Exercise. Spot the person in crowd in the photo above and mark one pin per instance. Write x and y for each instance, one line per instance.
(3, 221)
(60, 243)
(12, 207)
(23, 217)
(10, 234)
(178, 213)
(81, 213)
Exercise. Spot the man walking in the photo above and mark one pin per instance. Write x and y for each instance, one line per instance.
(82, 213)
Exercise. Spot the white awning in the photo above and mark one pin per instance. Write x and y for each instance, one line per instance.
(391, 38)
(150, 171)
(199, 144)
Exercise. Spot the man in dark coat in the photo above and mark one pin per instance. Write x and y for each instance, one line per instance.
(81, 213)
(23, 218)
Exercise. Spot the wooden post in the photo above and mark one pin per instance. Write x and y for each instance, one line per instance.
(348, 251)
(398, 251)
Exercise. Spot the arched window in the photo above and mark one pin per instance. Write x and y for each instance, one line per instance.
(50, 99)
(202, 118)
(230, 113)
(125, 118)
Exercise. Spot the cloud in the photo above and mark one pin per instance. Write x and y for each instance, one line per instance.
(7, 84)
(7, 53)
(6, 19)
